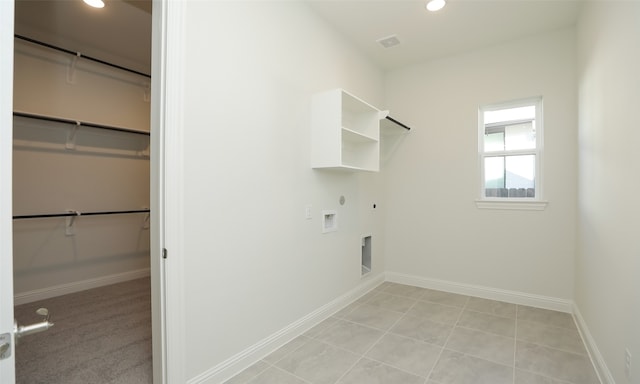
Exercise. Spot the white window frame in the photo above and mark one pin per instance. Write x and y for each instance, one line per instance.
(519, 203)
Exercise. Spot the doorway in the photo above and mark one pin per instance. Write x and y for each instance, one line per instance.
(81, 189)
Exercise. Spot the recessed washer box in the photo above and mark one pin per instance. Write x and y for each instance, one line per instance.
(329, 221)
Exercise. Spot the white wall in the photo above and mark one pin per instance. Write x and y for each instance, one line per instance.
(252, 263)
(434, 229)
(106, 171)
(608, 263)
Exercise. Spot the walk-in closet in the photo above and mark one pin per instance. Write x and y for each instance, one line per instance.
(81, 217)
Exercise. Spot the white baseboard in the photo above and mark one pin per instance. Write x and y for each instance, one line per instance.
(604, 374)
(251, 355)
(514, 297)
(77, 286)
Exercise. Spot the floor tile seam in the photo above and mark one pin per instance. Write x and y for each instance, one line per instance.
(444, 345)
(390, 330)
(485, 332)
(551, 325)
(364, 355)
(335, 314)
(346, 372)
(381, 307)
(359, 354)
(449, 324)
(443, 304)
(546, 376)
(361, 324)
(391, 333)
(488, 313)
(555, 348)
(400, 295)
(394, 366)
(289, 352)
(292, 374)
(269, 365)
(573, 321)
(480, 357)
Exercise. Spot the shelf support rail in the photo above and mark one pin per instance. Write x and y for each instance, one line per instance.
(397, 122)
(79, 124)
(78, 55)
(75, 214)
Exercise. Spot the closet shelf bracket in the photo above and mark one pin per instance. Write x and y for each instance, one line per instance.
(146, 96)
(146, 223)
(71, 71)
(70, 229)
(71, 136)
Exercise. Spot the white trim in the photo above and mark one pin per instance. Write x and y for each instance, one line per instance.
(171, 128)
(77, 286)
(603, 372)
(251, 355)
(538, 151)
(7, 366)
(158, 277)
(514, 297)
(512, 204)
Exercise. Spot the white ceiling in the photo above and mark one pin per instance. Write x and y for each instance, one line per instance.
(121, 32)
(461, 26)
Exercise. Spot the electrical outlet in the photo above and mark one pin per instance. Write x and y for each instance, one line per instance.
(627, 363)
(307, 212)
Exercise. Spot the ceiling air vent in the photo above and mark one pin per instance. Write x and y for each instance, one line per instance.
(389, 41)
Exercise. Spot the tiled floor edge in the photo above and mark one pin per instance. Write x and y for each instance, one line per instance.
(244, 359)
(514, 297)
(602, 370)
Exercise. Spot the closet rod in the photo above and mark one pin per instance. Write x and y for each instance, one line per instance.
(397, 122)
(81, 55)
(75, 213)
(79, 123)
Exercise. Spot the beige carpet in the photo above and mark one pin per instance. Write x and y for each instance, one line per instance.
(101, 336)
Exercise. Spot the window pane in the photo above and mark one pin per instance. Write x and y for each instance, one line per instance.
(520, 136)
(509, 176)
(510, 114)
(494, 141)
(494, 172)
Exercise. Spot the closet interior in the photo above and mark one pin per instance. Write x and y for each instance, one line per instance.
(81, 212)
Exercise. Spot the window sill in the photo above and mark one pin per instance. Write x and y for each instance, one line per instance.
(519, 205)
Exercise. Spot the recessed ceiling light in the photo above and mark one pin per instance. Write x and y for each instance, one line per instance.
(95, 3)
(436, 5)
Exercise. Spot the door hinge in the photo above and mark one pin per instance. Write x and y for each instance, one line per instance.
(164, 253)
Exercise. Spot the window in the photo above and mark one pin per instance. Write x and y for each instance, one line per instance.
(510, 151)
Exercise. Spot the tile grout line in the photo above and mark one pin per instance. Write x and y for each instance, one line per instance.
(447, 340)
(362, 356)
(289, 373)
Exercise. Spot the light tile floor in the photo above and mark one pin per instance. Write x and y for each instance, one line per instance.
(403, 334)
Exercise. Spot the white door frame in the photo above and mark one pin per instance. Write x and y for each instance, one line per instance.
(168, 309)
(7, 366)
(166, 190)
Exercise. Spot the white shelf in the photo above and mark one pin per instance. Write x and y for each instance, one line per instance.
(356, 137)
(345, 132)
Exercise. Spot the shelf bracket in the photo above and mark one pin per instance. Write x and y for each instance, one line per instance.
(146, 223)
(70, 221)
(71, 136)
(146, 96)
(144, 144)
(71, 71)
